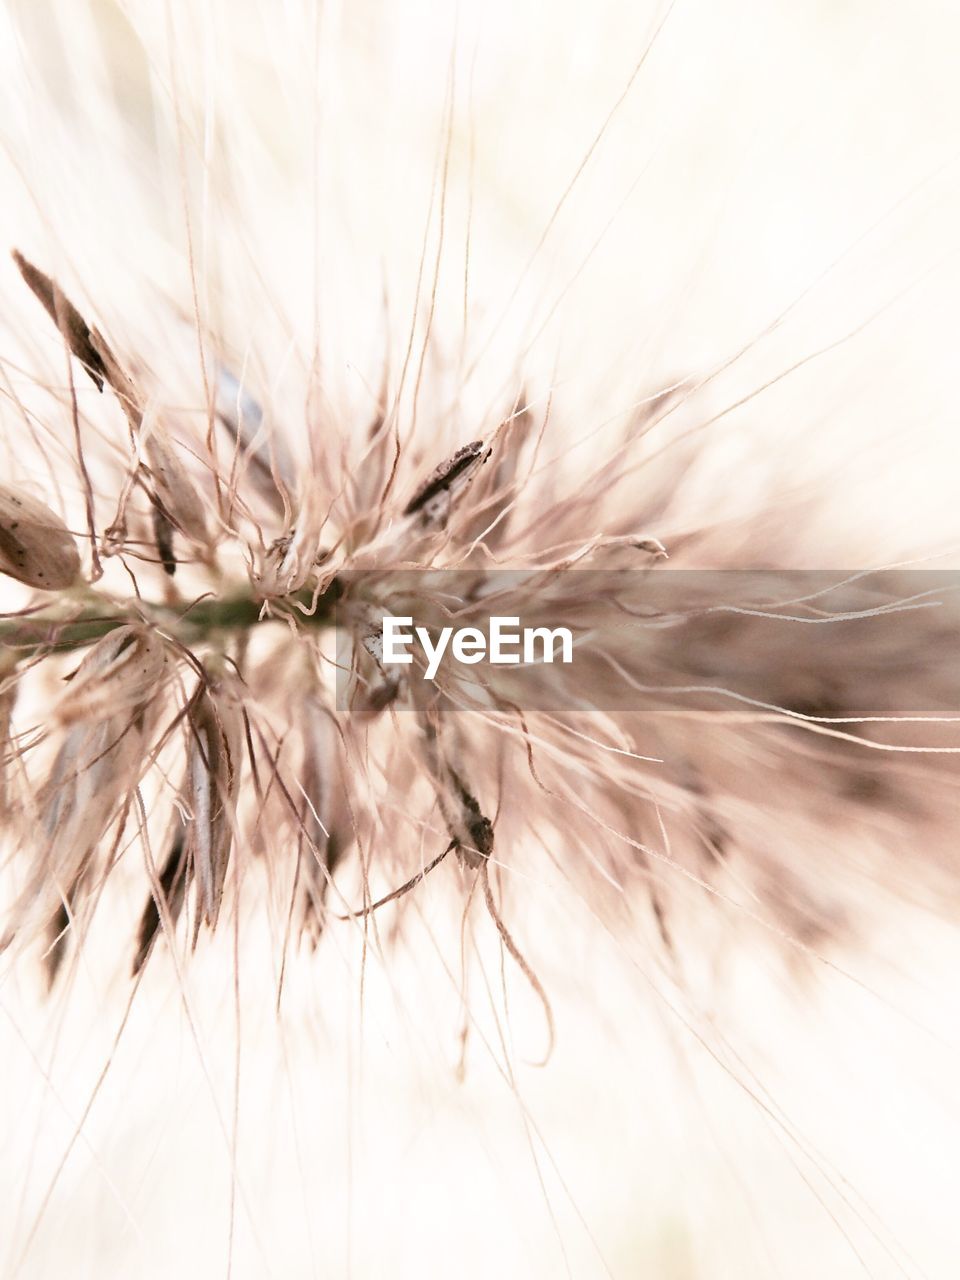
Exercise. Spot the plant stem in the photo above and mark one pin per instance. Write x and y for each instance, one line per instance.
(59, 629)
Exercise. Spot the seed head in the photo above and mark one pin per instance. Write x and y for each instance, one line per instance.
(36, 547)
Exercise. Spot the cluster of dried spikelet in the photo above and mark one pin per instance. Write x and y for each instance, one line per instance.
(633, 318)
(204, 726)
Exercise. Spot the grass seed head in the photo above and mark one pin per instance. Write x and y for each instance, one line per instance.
(36, 547)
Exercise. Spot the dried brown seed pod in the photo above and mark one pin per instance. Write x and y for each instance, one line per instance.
(121, 673)
(470, 829)
(166, 899)
(214, 760)
(87, 344)
(163, 537)
(93, 776)
(36, 547)
(76, 331)
(432, 500)
(175, 489)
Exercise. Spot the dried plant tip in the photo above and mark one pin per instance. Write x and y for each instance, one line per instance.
(176, 491)
(88, 345)
(36, 547)
(59, 928)
(66, 317)
(165, 902)
(433, 497)
(212, 783)
(653, 547)
(163, 536)
(471, 829)
(121, 674)
(90, 782)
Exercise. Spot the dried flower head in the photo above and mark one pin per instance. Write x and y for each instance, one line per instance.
(660, 659)
(604, 324)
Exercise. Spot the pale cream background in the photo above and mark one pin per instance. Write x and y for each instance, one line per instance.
(758, 144)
